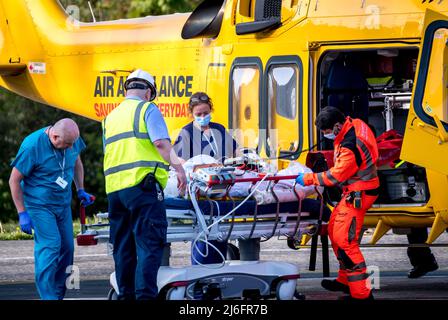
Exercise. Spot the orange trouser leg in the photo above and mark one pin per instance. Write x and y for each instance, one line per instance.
(342, 274)
(344, 229)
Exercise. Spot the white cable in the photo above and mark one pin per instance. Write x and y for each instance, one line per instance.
(242, 202)
(199, 212)
(192, 188)
(217, 206)
(209, 266)
(199, 215)
(207, 243)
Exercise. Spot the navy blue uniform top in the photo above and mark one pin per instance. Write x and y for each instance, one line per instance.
(192, 141)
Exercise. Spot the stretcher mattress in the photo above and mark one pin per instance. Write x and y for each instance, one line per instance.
(183, 224)
(310, 207)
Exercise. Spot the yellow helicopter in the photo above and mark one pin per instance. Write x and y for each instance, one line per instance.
(268, 64)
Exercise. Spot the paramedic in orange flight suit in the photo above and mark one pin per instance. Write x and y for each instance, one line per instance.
(356, 153)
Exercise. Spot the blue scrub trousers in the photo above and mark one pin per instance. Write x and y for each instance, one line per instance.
(138, 229)
(53, 249)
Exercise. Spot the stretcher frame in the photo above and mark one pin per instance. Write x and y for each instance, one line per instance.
(236, 227)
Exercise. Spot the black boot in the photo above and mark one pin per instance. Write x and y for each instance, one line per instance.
(423, 268)
(334, 285)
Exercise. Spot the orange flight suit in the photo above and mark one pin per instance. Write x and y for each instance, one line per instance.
(356, 154)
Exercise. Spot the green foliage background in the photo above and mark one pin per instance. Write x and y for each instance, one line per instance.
(19, 117)
(116, 9)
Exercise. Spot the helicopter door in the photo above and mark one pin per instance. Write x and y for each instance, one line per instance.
(426, 136)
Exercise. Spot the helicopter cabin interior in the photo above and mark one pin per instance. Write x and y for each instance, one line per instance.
(376, 86)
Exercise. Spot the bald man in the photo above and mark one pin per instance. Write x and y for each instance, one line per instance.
(47, 163)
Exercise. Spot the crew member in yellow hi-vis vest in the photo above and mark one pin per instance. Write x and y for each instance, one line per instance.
(137, 156)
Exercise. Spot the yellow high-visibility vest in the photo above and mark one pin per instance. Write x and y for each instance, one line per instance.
(129, 154)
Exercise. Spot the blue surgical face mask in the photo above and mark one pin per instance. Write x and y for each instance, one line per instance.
(333, 135)
(203, 121)
(330, 136)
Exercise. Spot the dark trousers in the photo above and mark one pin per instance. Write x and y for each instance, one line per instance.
(138, 229)
(419, 255)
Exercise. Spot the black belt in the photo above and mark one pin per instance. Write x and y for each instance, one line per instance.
(373, 192)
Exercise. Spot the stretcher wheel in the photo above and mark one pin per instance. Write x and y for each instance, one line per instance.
(233, 253)
(112, 295)
(286, 290)
(293, 243)
(299, 296)
(177, 293)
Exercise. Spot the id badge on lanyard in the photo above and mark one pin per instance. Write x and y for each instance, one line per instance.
(60, 181)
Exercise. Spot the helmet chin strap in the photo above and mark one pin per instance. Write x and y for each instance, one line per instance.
(140, 79)
(148, 95)
(136, 85)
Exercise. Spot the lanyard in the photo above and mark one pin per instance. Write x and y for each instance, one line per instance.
(61, 165)
(214, 141)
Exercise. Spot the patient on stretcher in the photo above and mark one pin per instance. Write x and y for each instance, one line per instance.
(274, 209)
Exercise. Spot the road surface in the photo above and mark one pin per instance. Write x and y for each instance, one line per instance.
(95, 266)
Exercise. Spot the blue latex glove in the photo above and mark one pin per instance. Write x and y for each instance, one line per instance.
(86, 198)
(300, 180)
(25, 222)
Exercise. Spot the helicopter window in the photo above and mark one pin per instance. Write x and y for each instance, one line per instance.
(282, 106)
(246, 8)
(283, 92)
(245, 104)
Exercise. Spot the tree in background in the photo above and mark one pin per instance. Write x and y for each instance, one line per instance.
(19, 116)
(115, 9)
(157, 7)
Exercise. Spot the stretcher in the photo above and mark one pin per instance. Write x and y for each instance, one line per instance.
(248, 221)
(226, 219)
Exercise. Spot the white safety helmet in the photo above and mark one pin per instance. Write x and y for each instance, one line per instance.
(132, 82)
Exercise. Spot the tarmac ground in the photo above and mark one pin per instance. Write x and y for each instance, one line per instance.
(95, 265)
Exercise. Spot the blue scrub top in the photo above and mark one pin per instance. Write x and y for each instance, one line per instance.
(40, 164)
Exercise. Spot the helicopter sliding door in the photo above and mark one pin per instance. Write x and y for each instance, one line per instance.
(426, 136)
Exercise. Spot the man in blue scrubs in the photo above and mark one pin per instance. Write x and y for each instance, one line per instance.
(43, 170)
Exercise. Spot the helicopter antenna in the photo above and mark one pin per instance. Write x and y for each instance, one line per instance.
(91, 11)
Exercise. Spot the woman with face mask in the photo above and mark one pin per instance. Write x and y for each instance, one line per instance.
(201, 136)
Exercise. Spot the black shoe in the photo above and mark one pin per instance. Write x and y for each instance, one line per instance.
(334, 285)
(423, 269)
